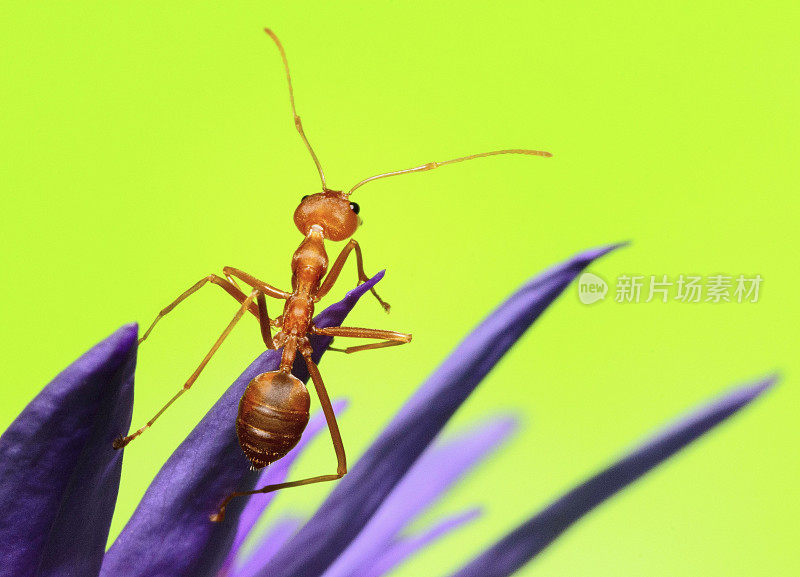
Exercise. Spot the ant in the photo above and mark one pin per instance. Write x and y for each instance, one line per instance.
(274, 409)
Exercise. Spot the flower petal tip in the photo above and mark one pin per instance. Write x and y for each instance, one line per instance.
(371, 282)
(751, 392)
(507, 423)
(121, 340)
(128, 333)
(473, 513)
(620, 244)
(340, 405)
(353, 295)
(596, 253)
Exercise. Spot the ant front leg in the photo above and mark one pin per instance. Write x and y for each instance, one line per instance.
(123, 441)
(336, 438)
(391, 338)
(333, 274)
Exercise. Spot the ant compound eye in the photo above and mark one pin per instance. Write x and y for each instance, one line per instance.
(305, 197)
(354, 207)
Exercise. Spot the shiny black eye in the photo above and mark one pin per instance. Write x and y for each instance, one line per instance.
(354, 207)
(305, 197)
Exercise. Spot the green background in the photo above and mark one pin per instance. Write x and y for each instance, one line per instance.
(145, 146)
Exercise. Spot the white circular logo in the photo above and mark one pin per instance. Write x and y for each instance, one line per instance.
(591, 288)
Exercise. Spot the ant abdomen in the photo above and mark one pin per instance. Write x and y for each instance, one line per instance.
(273, 413)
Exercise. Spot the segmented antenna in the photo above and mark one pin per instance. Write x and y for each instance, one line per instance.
(297, 123)
(432, 165)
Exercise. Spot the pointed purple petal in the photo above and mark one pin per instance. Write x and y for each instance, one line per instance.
(408, 547)
(276, 537)
(169, 534)
(436, 471)
(277, 473)
(58, 473)
(524, 543)
(358, 495)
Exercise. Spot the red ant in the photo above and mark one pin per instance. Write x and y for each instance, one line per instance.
(274, 409)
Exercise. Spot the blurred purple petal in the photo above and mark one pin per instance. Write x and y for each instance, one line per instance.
(58, 473)
(409, 546)
(275, 538)
(277, 473)
(438, 469)
(524, 543)
(169, 534)
(359, 494)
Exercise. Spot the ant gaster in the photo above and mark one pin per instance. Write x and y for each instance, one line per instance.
(274, 409)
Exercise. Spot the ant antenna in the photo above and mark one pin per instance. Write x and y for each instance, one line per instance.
(432, 165)
(297, 123)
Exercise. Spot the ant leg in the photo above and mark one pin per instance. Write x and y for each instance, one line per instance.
(392, 338)
(327, 409)
(333, 274)
(381, 345)
(231, 289)
(336, 437)
(264, 321)
(253, 282)
(121, 442)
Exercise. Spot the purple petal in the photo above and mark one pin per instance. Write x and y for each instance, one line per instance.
(276, 537)
(273, 474)
(169, 534)
(359, 494)
(58, 473)
(438, 469)
(408, 547)
(521, 545)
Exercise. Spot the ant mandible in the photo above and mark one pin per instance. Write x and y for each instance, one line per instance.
(274, 409)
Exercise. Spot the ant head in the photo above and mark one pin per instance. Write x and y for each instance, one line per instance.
(332, 211)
